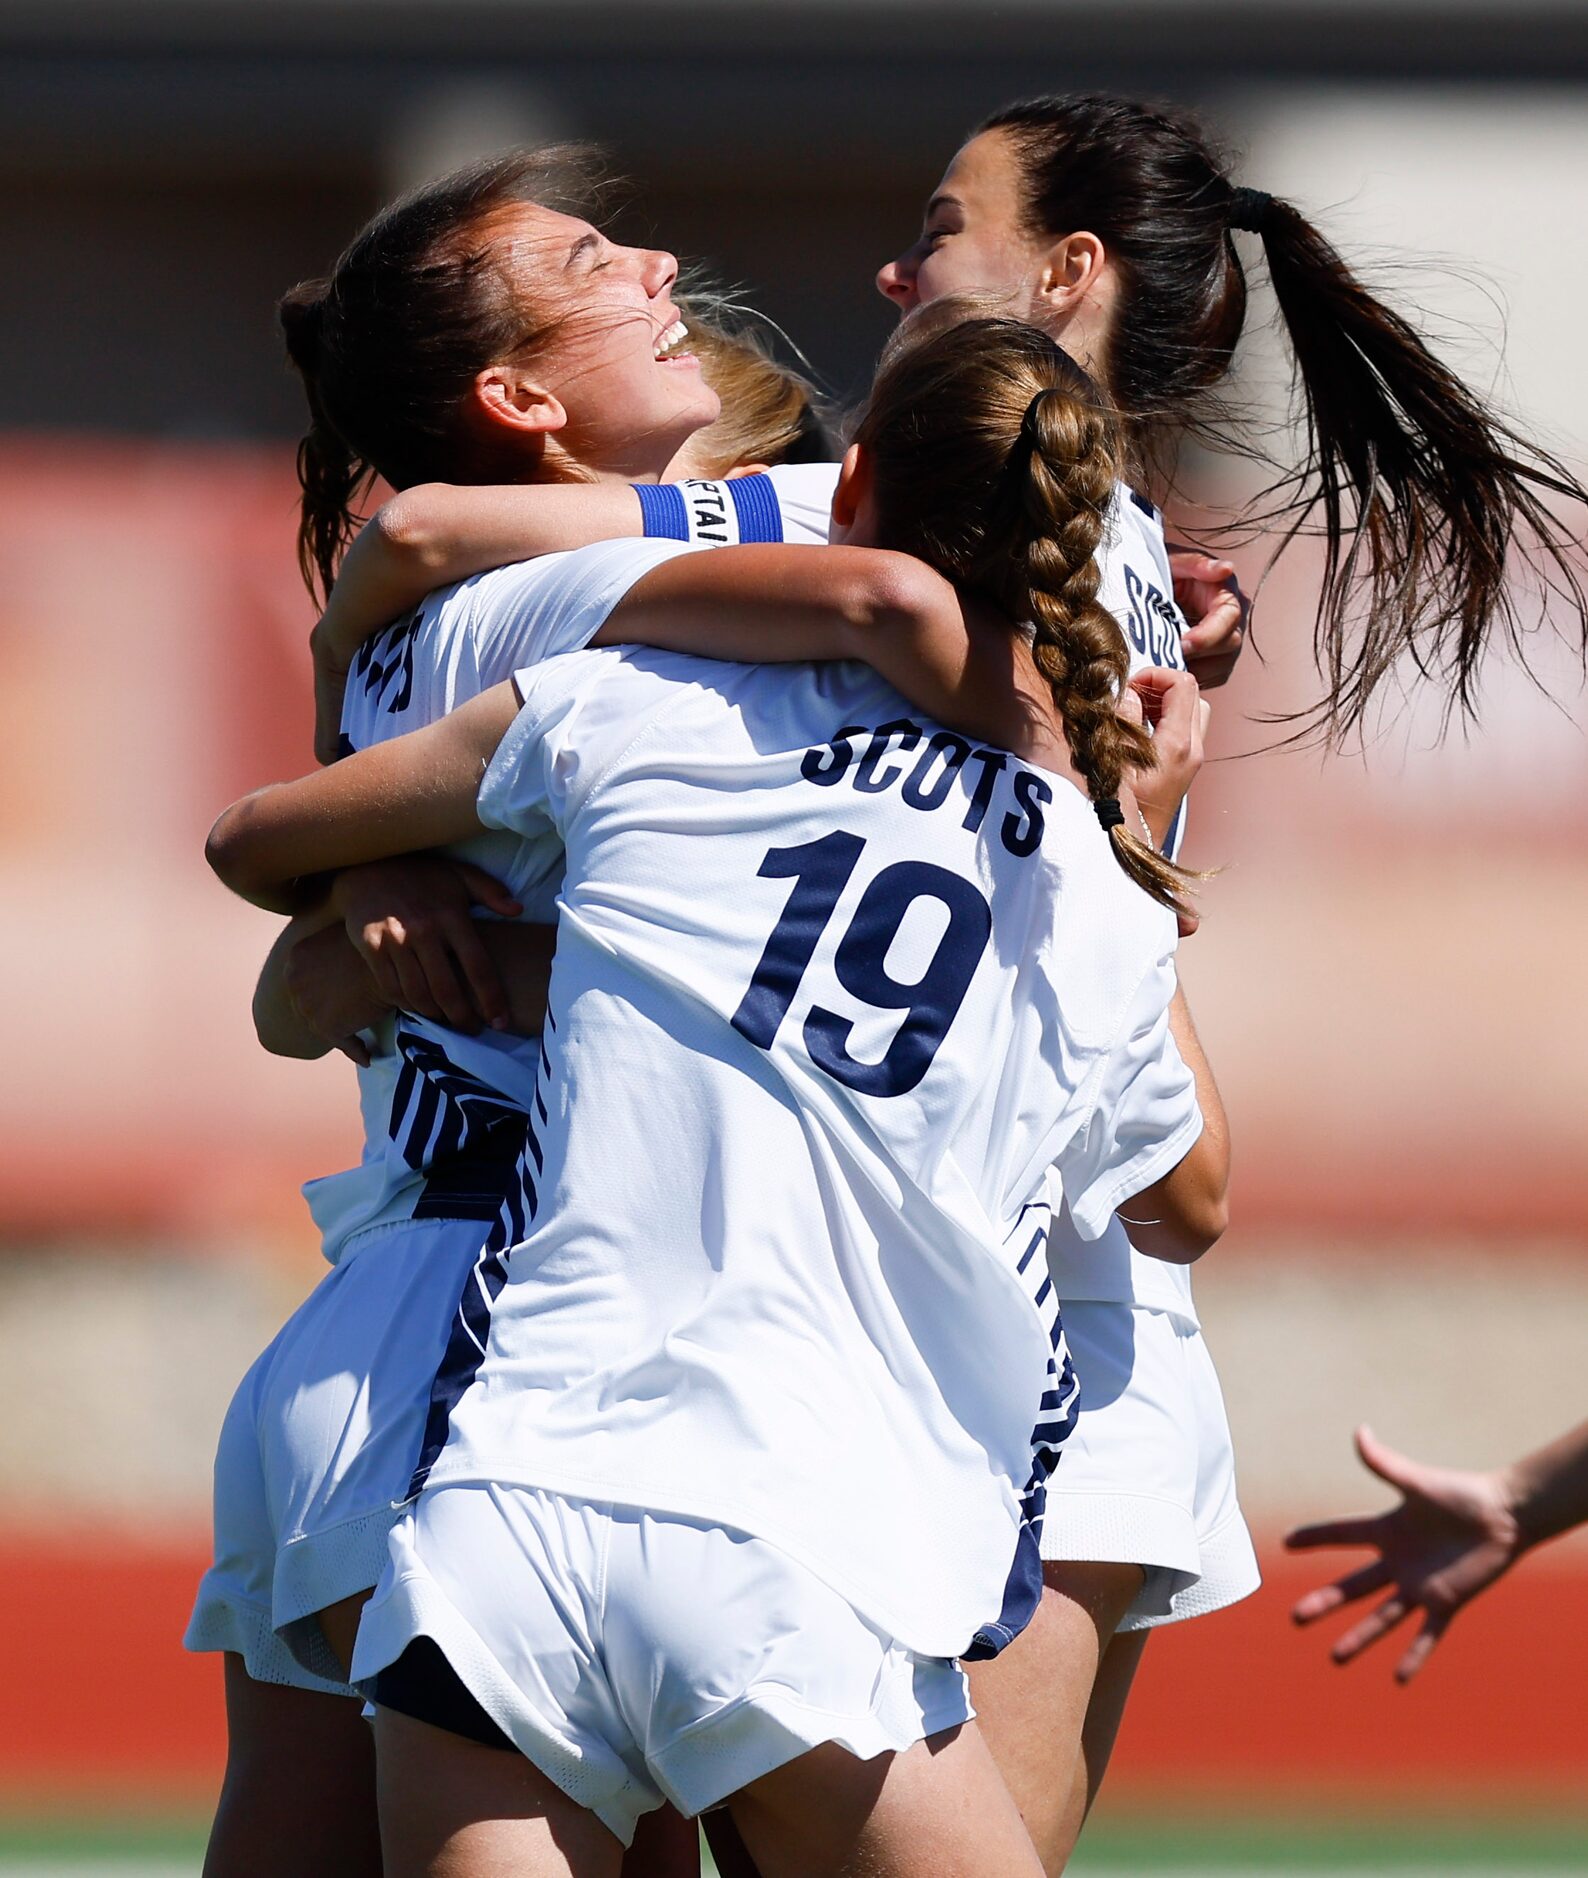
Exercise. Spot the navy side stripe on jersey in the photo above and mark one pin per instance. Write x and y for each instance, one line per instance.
(384, 665)
(461, 1134)
(471, 1324)
(1056, 1412)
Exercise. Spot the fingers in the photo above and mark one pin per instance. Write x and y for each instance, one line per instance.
(1376, 1624)
(487, 994)
(1364, 1531)
(1192, 564)
(439, 969)
(1400, 1470)
(1358, 1584)
(1171, 702)
(441, 982)
(1435, 1624)
(356, 1049)
(1212, 646)
(388, 947)
(486, 890)
(1157, 686)
(379, 950)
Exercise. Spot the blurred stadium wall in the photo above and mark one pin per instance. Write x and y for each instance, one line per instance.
(1389, 978)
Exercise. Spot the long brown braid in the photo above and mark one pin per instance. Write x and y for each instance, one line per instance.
(995, 461)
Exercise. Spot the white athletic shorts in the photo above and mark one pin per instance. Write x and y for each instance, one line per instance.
(319, 1444)
(1147, 1476)
(637, 1657)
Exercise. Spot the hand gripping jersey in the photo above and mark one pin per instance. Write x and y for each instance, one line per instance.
(1138, 589)
(834, 987)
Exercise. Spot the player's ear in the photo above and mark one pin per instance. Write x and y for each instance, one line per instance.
(1069, 274)
(854, 488)
(506, 401)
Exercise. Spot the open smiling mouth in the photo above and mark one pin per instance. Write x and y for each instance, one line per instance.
(667, 349)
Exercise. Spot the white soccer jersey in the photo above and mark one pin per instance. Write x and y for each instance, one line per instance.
(1138, 589)
(444, 1114)
(834, 987)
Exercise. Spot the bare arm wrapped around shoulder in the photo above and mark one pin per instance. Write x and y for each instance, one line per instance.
(416, 791)
(952, 656)
(1185, 1213)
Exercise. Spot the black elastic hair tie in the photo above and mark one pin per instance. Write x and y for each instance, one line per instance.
(1028, 424)
(1249, 209)
(1108, 812)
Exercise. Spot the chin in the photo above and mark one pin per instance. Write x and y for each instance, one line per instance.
(707, 408)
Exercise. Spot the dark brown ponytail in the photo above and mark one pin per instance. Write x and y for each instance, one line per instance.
(332, 477)
(994, 461)
(1423, 493)
(390, 342)
(1420, 492)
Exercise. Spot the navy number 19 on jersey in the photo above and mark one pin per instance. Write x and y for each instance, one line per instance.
(820, 871)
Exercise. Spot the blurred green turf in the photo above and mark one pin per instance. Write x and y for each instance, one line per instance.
(1207, 1846)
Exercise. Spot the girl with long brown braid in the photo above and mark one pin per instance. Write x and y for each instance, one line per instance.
(785, 1391)
(1020, 430)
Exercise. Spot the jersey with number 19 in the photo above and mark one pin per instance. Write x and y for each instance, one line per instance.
(834, 987)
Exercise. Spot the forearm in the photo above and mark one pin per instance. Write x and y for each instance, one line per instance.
(278, 1024)
(1183, 1214)
(780, 605)
(1548, 1490)
(417, 791)
(436, 533)
(1215, 1137)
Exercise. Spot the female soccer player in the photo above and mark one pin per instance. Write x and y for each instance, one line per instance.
(1112, 225)
(723, 1364)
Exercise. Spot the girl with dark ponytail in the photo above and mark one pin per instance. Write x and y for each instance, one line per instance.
(1117, 228)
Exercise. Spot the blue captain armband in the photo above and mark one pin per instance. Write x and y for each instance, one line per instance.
(711, 514)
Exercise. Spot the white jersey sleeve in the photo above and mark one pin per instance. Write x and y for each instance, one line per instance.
(1144, 1114)
(804, 494)
(566, 736)
(535, 610)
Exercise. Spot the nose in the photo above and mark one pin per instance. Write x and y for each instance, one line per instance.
(658, 271)
(896, 280)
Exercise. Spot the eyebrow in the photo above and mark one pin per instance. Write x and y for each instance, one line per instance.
(942, 202)
(586, 244)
